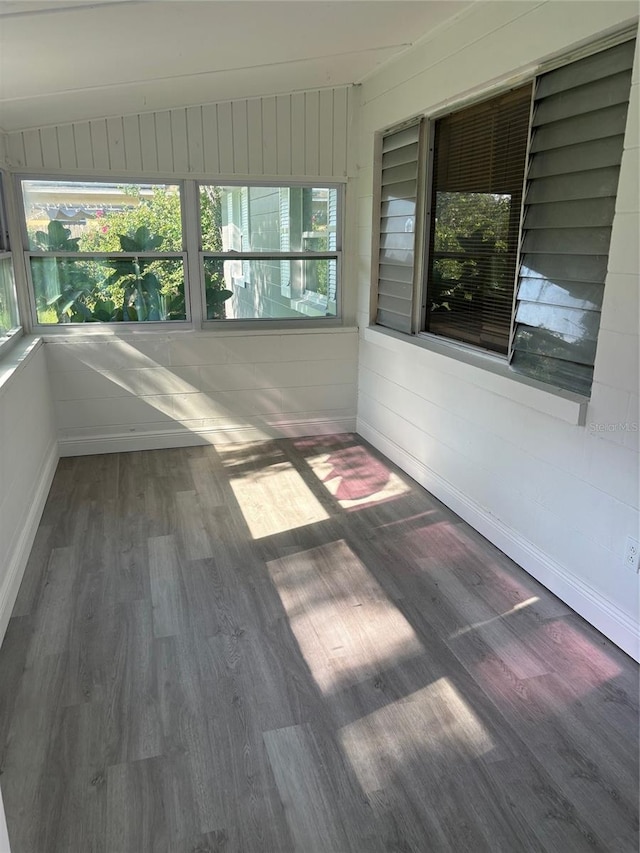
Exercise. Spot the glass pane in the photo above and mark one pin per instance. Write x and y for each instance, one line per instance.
(268, 219)
(108, 290)
(472, 268)
(66, 216)
(270, 289)
(8, 305)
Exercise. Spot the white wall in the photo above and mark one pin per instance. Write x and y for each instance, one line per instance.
(559, 498)
(132, 391)
(163, 390)
(28, 457)
(299, 135)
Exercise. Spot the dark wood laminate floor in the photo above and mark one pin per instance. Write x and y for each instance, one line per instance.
(289, 646)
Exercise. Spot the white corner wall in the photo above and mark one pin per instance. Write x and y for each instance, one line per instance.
(149, 390)
(28, 459)
(128, 391)
(559, 499)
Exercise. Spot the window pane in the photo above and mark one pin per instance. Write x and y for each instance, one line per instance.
(478, 174)
(270, 289)
(472, 271)
(8, 305)
(268, 219)
(108, 290)
(66, 216)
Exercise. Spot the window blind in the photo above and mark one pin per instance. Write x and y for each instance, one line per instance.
(478, 177)
(577, 141)
(398, 209)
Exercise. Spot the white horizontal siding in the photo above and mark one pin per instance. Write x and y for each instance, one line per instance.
(301, 135)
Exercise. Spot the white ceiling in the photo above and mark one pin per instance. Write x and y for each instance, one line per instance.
(68, 60)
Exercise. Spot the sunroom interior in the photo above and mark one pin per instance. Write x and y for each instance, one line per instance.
(288, 109)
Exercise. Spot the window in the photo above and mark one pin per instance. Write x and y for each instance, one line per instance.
(476, 198)
(104, 252)
(9, 319)
(100, 252)
(270, 252)
(467, 256)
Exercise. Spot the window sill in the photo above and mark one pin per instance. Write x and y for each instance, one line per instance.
(13, 360)
(491, 372)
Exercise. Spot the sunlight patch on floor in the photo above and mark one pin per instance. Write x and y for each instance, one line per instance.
(275, 500)
(355, 478)
(347, 627)
(426, 733)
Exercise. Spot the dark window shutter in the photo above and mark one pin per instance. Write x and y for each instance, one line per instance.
(576, 148)
(478, 177)
(398, 209)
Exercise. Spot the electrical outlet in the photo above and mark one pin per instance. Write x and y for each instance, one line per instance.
(632, 553)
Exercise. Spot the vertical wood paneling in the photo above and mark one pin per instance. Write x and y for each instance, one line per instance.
(67, 146)
(254, 134)
(297, 134)
(115, 137)
(164, 142)
(33, 148)
(340, 131)
(50, 148)
(225, 138)
(303, 134)
(148, 142)
(99, 144)
(84, 149)
(269, 136)
(179, 140)
(283, 134)
(15, 150)
(325, 133)
(312, 124)
(194, 137)
(240, 137)
(132, 152)
(210, 136)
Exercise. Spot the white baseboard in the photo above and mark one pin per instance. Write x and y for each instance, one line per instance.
(84, 445)
(603, 614)
(18, 560)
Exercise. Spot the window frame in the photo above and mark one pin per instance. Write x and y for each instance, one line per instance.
(9, 336)
(88, 327)
(240, 324)
(191, 255)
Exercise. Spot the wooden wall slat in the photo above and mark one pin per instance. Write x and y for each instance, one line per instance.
(270, 137)
(100, 145)
(115, 141)
(240, 137)
(283, 134)
(210, 136)
(132, 144)
(325, 133)
(312, 129)
(254, 133)
(195, 141)
(67, 147)
(297, 134)
(84, 148)
(164, 142)
(179, 144)
(225, 138)
(149, 142)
